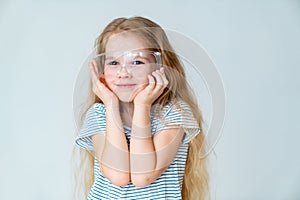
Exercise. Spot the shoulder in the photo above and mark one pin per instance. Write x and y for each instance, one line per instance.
(174, 113)
(173, 107)
(97, 108)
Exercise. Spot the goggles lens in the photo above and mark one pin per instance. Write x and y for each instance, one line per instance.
(131, 60)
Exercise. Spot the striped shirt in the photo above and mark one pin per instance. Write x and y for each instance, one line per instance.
(168, 185)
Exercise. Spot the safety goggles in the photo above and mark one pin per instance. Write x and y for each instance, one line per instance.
(135, 60)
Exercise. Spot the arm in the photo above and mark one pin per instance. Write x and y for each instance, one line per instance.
(111, 148)
(150, 156)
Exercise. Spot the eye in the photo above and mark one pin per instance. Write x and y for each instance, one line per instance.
(137, 62)
(112, 63)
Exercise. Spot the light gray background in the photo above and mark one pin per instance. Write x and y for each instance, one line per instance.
(255, 45)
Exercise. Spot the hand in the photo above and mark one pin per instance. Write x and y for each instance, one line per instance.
(99, 87)
(150, 93)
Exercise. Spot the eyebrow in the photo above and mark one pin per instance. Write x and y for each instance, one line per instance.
(138, 56)
(111, 58)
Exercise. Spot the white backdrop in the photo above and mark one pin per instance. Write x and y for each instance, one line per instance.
(255, 45)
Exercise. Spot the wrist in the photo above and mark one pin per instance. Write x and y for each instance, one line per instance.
(142, 106)
(141, 132)
(112, 104)
(141, 116)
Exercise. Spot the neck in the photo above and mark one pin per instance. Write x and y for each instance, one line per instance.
(126, 112)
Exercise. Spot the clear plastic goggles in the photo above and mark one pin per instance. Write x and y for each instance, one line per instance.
(135, 60)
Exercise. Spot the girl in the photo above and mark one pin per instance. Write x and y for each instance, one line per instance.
(142, 125)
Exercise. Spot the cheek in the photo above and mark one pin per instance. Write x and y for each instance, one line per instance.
(108, 79)
(142, 79)
(142, 76)
(109, 75)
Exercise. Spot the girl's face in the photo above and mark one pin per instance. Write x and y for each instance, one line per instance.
(127, 65)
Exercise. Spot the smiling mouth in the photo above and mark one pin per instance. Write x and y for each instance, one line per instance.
(125, 85)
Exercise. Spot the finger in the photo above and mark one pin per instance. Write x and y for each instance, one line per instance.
(165, 80)
(158, 77)
(162, 70)
(159, 85)
(164, 77)
(151, 82)
(93, 72)
(96, 82)
(95, 66)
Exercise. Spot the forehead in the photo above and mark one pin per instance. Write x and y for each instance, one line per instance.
(124, 42)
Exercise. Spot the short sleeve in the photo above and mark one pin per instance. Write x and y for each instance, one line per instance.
(175, 116)
(94, 122)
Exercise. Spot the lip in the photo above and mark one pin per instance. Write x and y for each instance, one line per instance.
(125, 85)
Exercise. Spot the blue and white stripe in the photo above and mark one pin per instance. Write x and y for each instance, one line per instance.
(168, 185)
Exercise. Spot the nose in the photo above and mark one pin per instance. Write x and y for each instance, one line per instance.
(123, 72)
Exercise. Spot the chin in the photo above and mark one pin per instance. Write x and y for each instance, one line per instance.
(126, 98)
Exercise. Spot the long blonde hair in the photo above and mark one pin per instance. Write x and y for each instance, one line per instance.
(196, 179)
